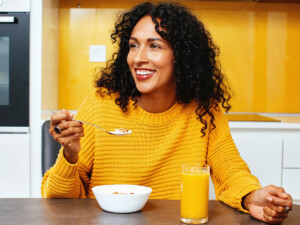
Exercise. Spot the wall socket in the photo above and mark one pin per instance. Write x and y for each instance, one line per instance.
(97, 53)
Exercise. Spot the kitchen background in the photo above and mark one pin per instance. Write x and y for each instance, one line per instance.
(259, 45)
(259, 42)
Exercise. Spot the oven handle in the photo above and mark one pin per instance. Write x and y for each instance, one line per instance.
(7, 19)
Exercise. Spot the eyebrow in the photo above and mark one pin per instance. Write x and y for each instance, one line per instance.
(148, 40)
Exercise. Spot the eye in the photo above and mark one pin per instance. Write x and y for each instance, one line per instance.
(133, 45)
(153, 45)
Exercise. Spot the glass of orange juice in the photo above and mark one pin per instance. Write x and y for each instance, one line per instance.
(194, 194)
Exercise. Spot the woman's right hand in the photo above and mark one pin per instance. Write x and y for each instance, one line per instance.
(71, 132)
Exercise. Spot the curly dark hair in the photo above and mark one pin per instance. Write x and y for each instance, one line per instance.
(197, 73)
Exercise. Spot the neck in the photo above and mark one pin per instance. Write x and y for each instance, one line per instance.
(156, 103)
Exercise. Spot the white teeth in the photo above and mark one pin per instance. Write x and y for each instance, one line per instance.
(144, 72)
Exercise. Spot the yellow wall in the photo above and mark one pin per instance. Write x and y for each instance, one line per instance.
(50, 54)
(259, 49)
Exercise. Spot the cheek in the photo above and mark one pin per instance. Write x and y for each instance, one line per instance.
(166, 64)
(163, 61)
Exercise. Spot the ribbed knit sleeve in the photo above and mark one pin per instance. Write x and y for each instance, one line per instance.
(230, 174)
(65, 180)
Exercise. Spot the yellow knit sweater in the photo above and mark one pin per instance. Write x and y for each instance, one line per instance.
(151, 156)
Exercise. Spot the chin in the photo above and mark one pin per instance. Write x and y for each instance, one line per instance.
(144, 90)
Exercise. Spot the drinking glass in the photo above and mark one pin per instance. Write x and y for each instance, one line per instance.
(194, 194)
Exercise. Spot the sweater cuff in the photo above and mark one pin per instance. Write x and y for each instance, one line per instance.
(234, 196)
(243, 193)
(63, 168)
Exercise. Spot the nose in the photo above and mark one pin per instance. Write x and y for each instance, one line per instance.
(141, 56)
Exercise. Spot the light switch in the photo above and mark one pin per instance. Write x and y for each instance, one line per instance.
(97, 53)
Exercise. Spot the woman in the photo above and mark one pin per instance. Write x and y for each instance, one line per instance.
(165, 85)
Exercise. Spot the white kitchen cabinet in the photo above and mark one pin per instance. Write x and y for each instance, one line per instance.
(291, 182)
(263, 154)
(15, 165)
(291, 153)
(262, 151)
(291, 164)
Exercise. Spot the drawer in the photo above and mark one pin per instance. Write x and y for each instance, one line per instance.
(291, 153)
(291, 182)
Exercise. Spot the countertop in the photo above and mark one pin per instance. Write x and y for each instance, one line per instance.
(284, 118)
(250, 118)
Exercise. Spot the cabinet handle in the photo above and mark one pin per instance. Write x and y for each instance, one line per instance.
(7, 19)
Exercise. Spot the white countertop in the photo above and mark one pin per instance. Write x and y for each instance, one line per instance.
(264, 125)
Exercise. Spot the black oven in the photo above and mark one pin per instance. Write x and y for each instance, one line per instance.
(14, 69)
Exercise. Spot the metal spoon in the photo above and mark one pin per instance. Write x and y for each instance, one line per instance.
(116, 132)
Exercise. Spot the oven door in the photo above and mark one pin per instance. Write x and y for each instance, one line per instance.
(14, 69)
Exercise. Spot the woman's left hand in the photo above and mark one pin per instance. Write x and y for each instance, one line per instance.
(270, 204)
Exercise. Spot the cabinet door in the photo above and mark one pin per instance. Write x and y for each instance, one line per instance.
(15, 167)
(291, 152)
(291, 182)
(263, 154)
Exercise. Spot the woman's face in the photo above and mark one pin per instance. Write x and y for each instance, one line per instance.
(150, 59)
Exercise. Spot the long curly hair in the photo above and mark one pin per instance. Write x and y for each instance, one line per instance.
(197, 72)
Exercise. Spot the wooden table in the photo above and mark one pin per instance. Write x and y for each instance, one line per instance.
(87, 211)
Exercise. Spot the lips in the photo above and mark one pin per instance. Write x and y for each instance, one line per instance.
(144, 74)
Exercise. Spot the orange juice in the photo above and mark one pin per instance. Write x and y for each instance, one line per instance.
(194, 195)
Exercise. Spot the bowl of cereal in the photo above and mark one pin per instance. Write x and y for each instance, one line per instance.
(122, 198)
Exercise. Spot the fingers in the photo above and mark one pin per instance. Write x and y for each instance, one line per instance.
(69, 127)
(283, 195)
(274, 190)
(277, 196)
(277, 201)
(289, 197)
(71, 137)
(76, 131)
(71, 131)
(273, 220)
(64, 115)
(275, 211)
(278, 209)
(274, 214)
(291, 201)
(61, 121)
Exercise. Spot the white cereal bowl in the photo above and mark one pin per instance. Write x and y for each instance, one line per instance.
(124, 202)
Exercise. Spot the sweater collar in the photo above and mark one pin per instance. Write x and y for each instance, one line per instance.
(154, 119)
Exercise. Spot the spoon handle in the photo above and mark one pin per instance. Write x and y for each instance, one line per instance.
(90, 124)
(108, 132)
(87, 123)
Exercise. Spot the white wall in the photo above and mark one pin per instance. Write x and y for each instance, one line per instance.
(35, 96)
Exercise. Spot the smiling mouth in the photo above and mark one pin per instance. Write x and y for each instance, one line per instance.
(142, 74)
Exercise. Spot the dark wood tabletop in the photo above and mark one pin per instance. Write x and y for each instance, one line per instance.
(87, 211)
